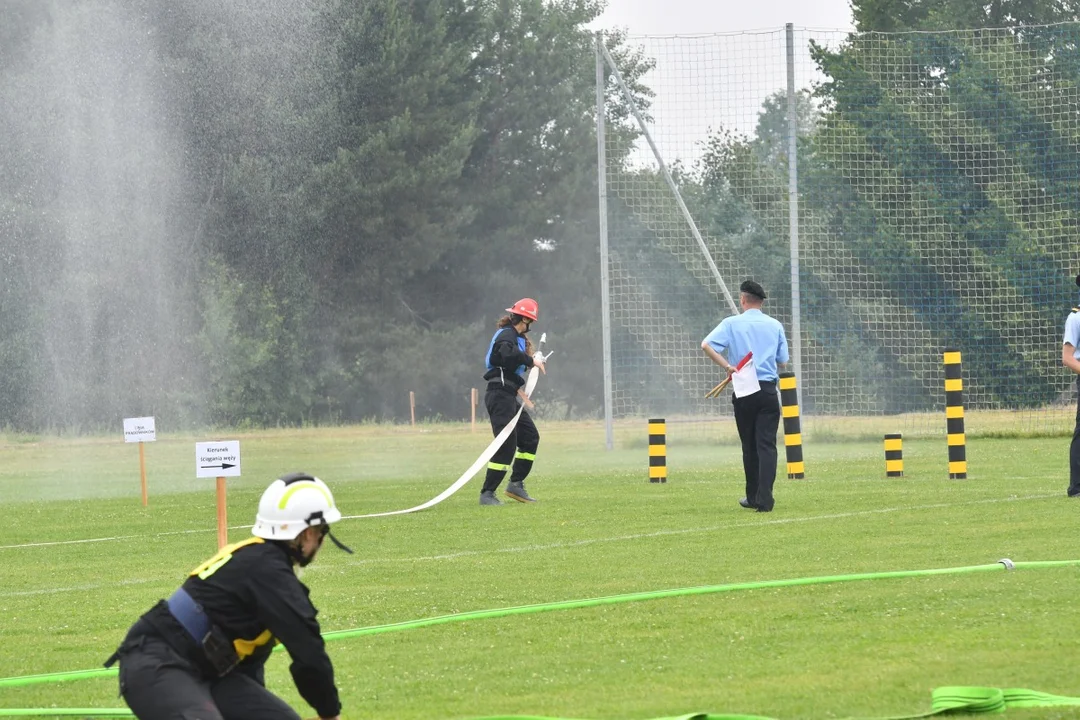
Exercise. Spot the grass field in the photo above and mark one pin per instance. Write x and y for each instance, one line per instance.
(80, 559)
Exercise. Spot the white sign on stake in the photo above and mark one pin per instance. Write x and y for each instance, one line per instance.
(217, 459)
(139, 430)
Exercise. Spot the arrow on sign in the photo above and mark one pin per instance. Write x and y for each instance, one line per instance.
(223, 466)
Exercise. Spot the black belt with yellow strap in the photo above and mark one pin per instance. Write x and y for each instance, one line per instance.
(216, 645)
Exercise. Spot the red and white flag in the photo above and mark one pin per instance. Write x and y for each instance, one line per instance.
(744, 381)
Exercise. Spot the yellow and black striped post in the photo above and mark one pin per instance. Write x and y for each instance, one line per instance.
(789, 406)
(954, 415)
(657, 451)
(894, 455)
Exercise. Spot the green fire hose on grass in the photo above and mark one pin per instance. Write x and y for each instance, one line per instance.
(944, 701)
(955, 700)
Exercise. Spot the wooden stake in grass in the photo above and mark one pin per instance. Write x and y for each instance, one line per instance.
(141, 430)
(219, 459)
(472, 402)
(412, 408)
(142, 473)
(222, 515)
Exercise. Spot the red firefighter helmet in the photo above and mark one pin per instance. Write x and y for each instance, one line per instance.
(525, 307)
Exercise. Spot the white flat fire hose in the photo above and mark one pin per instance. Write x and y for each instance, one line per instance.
(482, 461)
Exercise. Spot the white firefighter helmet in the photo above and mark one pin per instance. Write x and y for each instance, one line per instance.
(293, 503)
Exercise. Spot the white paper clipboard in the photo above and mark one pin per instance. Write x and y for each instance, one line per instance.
(745, 381)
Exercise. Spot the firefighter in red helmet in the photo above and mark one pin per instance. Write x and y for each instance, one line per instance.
(509, 357)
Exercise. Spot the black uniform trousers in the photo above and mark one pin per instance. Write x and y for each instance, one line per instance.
(757, 417)
(158, 683)
(520, 447)
(1074, 449)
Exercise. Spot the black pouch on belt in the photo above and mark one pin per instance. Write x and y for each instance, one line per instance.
(220, 651)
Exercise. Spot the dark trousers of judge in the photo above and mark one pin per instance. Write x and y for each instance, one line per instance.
(757, 417)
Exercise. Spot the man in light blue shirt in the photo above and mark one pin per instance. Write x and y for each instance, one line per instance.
(1070, 358)
(757, 416)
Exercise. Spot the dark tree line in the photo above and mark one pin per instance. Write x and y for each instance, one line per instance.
(264, 213)
(252, 213)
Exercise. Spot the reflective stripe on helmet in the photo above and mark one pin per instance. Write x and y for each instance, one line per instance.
(284, 512)
(303, 485)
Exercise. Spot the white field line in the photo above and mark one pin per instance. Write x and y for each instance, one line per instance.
(78, 588)
(519, 548)
(115, 538)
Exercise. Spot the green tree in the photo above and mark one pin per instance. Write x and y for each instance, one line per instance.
(504, 104)
(351, 181)
(899, 15)
(532, 180)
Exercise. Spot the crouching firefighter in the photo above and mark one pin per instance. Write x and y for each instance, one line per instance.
(509, 356)
(200, 654)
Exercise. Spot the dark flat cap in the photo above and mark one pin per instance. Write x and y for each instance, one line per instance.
(751, 287)
(1078, 281)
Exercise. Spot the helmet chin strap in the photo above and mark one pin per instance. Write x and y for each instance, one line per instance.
(303, 560)
(341, 545)
(322, 523)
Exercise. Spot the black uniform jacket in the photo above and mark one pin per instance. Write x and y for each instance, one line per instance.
(506, 357)
(250, 591)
